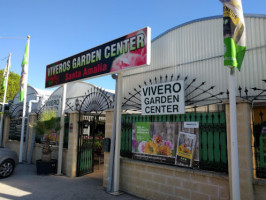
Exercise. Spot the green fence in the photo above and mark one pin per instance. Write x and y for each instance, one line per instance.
(212, 136)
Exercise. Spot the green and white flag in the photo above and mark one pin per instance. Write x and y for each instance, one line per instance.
(234, 33)
(6, 73)
(24, 72)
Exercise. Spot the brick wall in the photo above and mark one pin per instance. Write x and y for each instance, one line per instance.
(260, 189)
(156, 181)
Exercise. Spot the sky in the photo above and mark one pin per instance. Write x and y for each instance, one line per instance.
(62, 28)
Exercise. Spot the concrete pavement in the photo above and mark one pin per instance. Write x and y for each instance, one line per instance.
(26, 184)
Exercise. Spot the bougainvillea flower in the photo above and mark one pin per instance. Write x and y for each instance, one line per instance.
(164, 150)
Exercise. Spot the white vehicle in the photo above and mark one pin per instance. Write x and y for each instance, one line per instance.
(8, 161)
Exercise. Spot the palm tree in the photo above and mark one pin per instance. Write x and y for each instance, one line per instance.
(48, 124)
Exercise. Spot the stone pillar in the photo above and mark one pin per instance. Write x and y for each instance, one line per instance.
(108, 134)
(244, 137)
(6, 130)
(71, 166)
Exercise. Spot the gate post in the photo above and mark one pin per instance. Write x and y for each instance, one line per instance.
(71, 166)
(244, 137)
(108, 134)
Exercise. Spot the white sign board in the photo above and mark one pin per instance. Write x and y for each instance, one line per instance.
(191, 124)
(163, 98)
(54, 103)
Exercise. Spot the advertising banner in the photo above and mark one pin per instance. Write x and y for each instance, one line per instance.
(163, 99)
(185, 149)
(132, 50)
(234, 33)
(165, 142)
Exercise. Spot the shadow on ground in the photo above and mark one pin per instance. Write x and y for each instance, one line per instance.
(26, 184)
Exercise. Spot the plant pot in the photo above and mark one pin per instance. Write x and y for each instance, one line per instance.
(46, 168)
(46, 157)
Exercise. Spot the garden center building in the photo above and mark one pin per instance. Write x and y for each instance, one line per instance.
(193, 52)
(182, 155)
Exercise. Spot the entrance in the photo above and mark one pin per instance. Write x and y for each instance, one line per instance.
(90, 137)
(91, 129)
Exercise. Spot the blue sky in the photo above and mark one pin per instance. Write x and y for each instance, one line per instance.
(61, 28)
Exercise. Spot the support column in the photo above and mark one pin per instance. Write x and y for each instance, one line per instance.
(244, 137)
(108, 134)
(118, 133)
(71, 167)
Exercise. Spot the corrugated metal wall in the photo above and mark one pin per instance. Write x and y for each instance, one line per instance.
(196, 49)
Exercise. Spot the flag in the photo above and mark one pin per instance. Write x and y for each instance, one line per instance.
(24, 72)
(6, 73)
(234, 33)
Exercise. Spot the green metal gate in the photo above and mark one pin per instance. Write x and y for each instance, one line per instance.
(91, 108)
(212, 136)
(85, 149)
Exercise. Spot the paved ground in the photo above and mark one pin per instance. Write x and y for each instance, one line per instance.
(26, 184)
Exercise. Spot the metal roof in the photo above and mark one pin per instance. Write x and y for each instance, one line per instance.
(194, 50)
(203, 19)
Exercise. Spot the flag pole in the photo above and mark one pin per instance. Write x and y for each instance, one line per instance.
(235, 46)
(4, 100)
(24, 85)
(233, 136)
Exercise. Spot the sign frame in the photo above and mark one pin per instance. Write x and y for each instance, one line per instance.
(124, 53)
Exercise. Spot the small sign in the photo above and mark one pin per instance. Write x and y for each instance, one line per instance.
(70, 127)
(54, 103)
(185, 149)
(191, 124)
(86, 131)
(163, 98)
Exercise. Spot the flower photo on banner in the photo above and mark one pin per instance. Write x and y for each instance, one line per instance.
(131, 58)
(154, 138)
(186, 148)
(174, 143)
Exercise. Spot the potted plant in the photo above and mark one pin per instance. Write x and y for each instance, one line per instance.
(46, 128)
(98, 144)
